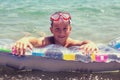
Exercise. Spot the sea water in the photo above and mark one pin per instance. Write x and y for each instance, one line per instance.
(94, 20)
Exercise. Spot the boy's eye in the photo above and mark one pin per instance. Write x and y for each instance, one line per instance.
(65, 28)
(57, 29)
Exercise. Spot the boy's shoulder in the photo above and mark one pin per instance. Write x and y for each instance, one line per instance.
(73, 42)
(48, 39)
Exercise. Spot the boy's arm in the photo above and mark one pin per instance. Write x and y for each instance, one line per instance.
(28, 42)
(86, 46)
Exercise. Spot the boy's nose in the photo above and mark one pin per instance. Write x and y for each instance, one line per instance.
(62, 32)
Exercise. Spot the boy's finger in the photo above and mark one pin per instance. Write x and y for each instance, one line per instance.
(24, 49)
(21, 49)
(30, 46)
(81, 47)
(18, 48)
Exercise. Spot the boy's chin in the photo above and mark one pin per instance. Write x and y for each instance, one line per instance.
(62, 41)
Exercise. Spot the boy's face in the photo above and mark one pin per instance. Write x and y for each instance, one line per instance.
(61, 31)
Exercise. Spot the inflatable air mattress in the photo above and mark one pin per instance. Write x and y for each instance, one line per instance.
(52, 58)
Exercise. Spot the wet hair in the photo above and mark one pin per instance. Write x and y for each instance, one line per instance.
(59, 13)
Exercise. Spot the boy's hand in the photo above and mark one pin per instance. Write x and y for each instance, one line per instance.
(89, 48)
(21, 45)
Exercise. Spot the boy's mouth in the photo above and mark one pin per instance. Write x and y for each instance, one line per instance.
(61, 36)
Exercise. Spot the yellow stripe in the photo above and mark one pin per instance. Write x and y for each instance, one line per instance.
(93, 57)
(69, 56)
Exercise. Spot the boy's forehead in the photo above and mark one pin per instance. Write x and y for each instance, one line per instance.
(61, 23)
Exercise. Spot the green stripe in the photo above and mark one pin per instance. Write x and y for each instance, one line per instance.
(5, 50)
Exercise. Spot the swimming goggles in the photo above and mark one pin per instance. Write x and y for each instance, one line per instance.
(57, 16)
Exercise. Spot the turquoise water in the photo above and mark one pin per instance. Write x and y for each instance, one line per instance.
(96, 20)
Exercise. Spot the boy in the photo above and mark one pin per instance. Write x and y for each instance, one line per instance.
(60, 28)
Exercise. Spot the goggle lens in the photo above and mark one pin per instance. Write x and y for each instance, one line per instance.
(56, 17)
